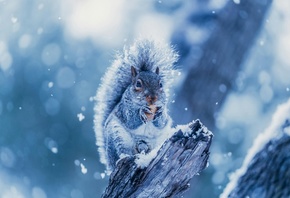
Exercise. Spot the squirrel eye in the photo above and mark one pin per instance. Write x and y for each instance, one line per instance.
(138, 84)
(160, 84)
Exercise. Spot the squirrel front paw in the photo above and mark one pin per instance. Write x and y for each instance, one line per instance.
(146, 114)
(142, 147)
(151, 112)
(159, 112)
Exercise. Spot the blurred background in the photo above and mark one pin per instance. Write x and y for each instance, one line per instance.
(234, 59)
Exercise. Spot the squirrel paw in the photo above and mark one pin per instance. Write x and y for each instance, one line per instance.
(147, 110)
(142, 147)
(143, 115)
(159, 111)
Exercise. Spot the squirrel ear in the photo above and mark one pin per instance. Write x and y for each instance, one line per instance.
(157, 71)
(133, 71)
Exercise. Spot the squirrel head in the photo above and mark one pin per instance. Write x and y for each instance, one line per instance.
(147, 87)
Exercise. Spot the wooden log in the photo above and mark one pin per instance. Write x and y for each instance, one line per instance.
(181, 157)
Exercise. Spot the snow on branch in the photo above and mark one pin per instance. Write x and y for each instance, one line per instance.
(181, 157)
(265, 171)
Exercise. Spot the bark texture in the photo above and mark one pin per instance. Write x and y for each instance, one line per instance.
(266, 170)
(181, 157)
(268, 173)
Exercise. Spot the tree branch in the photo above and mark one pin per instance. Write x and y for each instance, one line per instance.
(266, 169)
(181, 157)
(214, 70)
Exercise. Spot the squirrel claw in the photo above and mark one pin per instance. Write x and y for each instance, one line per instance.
(143, 117)
(159, 109)
(147, 110)
(158, 112)
(142, 147)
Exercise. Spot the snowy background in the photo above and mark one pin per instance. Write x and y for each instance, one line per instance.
(52, 56)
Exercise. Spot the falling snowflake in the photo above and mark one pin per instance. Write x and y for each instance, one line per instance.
(81, 117)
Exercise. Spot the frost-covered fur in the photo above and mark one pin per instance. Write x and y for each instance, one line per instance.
(120, 121)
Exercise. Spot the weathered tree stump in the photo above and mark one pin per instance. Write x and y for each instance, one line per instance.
(181, 157)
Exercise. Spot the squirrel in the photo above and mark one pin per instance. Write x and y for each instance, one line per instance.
(131, 114)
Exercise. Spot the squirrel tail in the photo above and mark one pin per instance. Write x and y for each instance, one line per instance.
(144, 55)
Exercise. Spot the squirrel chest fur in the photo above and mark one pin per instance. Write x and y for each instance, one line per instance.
(134, 119)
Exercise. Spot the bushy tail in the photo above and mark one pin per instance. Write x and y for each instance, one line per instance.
(144, 55)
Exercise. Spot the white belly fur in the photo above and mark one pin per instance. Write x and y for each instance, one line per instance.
(147, 132)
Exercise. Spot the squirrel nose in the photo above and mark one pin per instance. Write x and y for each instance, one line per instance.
(151, 99)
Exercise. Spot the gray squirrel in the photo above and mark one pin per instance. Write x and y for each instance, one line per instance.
(131, 114)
